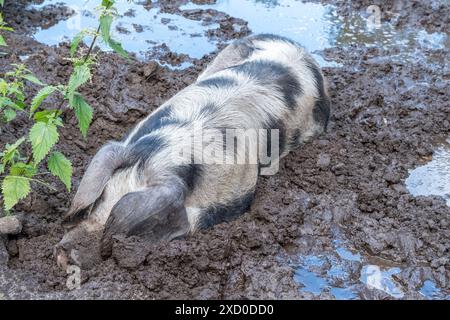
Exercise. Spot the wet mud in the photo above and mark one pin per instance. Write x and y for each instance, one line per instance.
(337, 221)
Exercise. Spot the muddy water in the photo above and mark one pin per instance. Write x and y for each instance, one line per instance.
(346, 274)
(139, 28)
(432, 178)
(142, 27)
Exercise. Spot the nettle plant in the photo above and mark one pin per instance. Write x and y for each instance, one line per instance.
(19, 170)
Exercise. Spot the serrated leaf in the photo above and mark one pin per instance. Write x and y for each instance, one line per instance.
(43, 137)
(80, 75)
(40, 97)
(2, 168)
(117, 47)
(105, 27)
(3, 87)
(9, 114)
(14, 189)
(16, 92)
(83, 112)
(2, 41)
(33, 79)
(48, 116)
(107, 3)
(4, 101)
(76, 42)
(11, 151)
(22, 169)
(60, 167)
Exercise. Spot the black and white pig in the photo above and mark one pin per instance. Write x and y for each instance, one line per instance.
(138, 186)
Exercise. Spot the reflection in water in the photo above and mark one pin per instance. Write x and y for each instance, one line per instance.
(432, 178)
(430, 291)
(318, 27)
(376, 278)
(348, 275)
(139, 29)
(142, 27)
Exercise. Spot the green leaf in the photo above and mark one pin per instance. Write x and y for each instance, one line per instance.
(10, 114)
(60, 167)
(2, 41)
(105, 27)
(81, 74)
(2, 2)
(16, 92)
(33, 79)
(76, 42)
(117, 47)
(48, 116)
(11, 151)
(3, 86)
(43, 137)
(14, 189)
(22, 169)
(40, 97)
(83, 112)
(107, 3)
(4, 101)
(2, 168)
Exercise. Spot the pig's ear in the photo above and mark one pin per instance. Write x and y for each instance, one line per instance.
(100, 170)
(156, 213)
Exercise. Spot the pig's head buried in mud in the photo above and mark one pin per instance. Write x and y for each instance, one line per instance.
(143, 185)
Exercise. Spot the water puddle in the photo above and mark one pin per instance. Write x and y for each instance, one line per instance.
(433, 178)
(319, 27)
(345, 274)
(142, 27)
(139, 28)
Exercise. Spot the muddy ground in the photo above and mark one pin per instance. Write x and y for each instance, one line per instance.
(349, 181)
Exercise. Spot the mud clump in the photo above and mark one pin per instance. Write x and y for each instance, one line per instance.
(351, 181)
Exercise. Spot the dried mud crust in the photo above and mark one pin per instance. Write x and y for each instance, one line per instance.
(350, 180)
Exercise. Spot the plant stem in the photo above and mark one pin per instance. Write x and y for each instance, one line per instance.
(85, 58)
(92, 44)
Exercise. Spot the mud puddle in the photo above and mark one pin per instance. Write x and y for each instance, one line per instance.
(347, 274)
(142, 27)
(432, 178)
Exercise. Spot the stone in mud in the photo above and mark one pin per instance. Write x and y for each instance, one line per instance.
(10, 225)
(150, 68)
(323, 161)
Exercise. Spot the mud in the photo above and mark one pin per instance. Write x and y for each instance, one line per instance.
(348, 184)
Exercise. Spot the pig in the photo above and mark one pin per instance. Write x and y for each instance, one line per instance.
(139, 187)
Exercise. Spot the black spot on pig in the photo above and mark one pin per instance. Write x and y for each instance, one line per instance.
(161, 118)
(218, 82)
(190, 173)
(225, 212)
(321, 111)
(143, 149)
(245, 47)
(269, 73)
(275, 123)
(295, 139)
